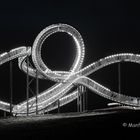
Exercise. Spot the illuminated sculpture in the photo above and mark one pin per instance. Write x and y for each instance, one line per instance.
(65, 80)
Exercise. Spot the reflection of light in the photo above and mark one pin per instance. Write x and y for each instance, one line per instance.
(66, 79)
(3, 54)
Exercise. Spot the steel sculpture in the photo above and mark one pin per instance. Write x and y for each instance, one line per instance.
(65, 80)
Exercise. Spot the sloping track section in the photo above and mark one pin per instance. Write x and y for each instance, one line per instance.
(65, 80)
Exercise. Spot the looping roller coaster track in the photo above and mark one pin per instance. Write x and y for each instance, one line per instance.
(65, 80)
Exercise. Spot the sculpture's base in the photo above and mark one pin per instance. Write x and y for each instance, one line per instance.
(71, 123)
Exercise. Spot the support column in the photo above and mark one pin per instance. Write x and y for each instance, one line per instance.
(37, 91)
(79, 99)
(11, 87)
(27, 85)
(119, 78)
(4, 114)
(58, 106)
(84, 98)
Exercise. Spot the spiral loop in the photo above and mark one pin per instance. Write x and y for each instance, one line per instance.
(65, 79)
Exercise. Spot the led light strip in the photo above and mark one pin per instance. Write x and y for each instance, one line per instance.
(65, 79)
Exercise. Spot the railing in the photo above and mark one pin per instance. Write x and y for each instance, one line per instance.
(59, 94)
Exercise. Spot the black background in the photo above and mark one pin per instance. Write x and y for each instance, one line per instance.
(107, 27)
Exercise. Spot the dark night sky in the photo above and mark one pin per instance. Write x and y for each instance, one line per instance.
(107, 27)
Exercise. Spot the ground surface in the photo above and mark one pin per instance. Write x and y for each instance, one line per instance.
(70, 123)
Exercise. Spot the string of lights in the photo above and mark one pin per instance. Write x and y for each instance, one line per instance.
(65, 80)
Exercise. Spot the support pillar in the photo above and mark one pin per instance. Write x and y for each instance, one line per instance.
(4, 114)
(27, 85)
(11, 86)
(78, 102)
(58, 106)
(119, 78)
(37, 91)
(80, 99)
(84, 98)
